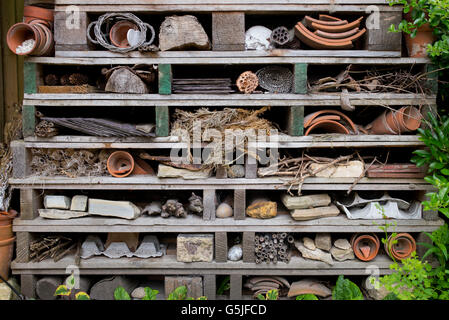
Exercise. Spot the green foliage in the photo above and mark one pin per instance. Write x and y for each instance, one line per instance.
(436, 138)
(436, 14)
(66, 291)
(439, 246)
(346, 290)
(307, 296)
(62, 290)
(224, 286)
(180, 293)
(121, 294)
(150, 294)
(270, 295)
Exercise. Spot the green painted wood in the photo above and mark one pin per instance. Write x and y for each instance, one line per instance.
(432, 78)
(296, 121)
(300, 74)
(30, 77)
(162, 121)
(28, 120)
(165, 78)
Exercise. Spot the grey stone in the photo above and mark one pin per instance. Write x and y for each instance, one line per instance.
(57, 202)
(323, 241)
(342, 244)
(314, 254)
(92, 246)
(375, 290)
(138, 293)
(195, 247)
(104, 289)
(153, 209)
(56, 214)
(236, 171)
(224, 210)
(309, 243)
(235, 253)
(341, 254)
(79, 203)
(119, 209)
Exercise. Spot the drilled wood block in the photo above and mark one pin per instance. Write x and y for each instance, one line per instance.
(236, 287)
(239, 204)
(210, 286)
(377, 36)
(165, 78)
(221, 247)
(162, 121)
(295, 125)
(30, 202)
(248, 247)
(228, 31)
(71, 30)
(209, 201)
(300, 75)
(194, 285)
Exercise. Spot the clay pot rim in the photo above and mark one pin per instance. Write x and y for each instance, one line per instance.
(38, 12)
(310, 117)
(7, 242)
(116, 153)
(335, 123)
(406, 114)
(8, 215)
(9, 37)
(47, 46)
(116, 26)
(372, 237)
(392, 252)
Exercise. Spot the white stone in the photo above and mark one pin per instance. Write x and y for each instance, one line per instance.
(309, 243)
(323, 241)
(119, 209)
(57, 202)
(257, 38)
(138, 293)
(224, 210)
(79, 203)
(235, 253)
(314, 254)
(56, 214)
(342, 244)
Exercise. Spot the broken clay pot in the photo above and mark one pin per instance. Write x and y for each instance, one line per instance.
(120, 164)
(365, 246)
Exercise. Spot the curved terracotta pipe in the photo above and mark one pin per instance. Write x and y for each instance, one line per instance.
(365, 246)
(328, 117)
(325, 17)
(310, 118)
(337, 29)
(329, 126)
(311, 40)
(321, 39)
(403, 248)
(47, 39)
(309, 20)
(341, 35)
(120, 164)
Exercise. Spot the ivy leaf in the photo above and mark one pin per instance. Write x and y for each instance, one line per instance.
(307, 296)
(62, 290)
(121, 294)
(82, 296)
(346, 290)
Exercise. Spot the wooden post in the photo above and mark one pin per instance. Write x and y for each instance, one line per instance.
(210, 286)
(248, 247)
(300, 75)
(250, 168)
(209, 200)
(30, 202)
(32, 73)
(377, 36)
(221, 247)
(239, 204)
(162, 121)
(228, 31)
(295, 125)
(71, 31)
(21, 159)
(236, 287)
(165, 78)
(23, 240)
(28, 285)
(28, 120)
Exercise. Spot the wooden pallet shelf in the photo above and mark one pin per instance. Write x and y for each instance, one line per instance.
(281, 223)
(167, 265)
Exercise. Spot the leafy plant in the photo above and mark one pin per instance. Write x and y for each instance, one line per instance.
(121, 294)
(150, 294)
(346, 290)
(272, 294)
(436, 138)
(180, 293)
(67, 290)
(224, 286)
(307, 296)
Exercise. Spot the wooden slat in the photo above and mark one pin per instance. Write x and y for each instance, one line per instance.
(295, 126)
(162, 121)
(209, 201)
(235, 287)
(30, 202)
(248, 247)
(300, 76)
(210, 286)
(165, 78)
(28, 120)
(221, 246)
(239, 203)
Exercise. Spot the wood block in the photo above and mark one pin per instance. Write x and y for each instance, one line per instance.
(315, 213)
(209, 201)
(221, 247)
(30, 202)
(295, 125)
(250, 167)
(221, 172)
(239, 204)
(29, 120)
(194, 285)
(228, 31)
(210, 286)
(28, 285)
(380, 39)
(300, 74)
(236, 287)
(162, 121)
(32, 74)
(71, 31)
(23, 240)
(82, 89)
(165, 78)
(248, 247)
(46, 287)
(21, 159)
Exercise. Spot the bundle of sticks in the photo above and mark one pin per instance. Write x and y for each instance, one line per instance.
(55, 247)
(273, 247)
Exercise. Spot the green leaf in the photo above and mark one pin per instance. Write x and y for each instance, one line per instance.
(346, 290)
(70, 282)
(307, 296)
(180, 293)
(260, 297)
(150, 294)
(224, 286)
(121, 294)
(273, 294)
(82, 296)
(62, 290)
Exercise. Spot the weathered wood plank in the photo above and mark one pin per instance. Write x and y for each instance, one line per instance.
(30, 202)
(28, 120)
(250, 167)
(235, 287)
(32, 79)
(28, 285)
(377, 36)
(295, 125)
(209, 201)
(432, 78)
(21, 159)
(23, 240)
(248, 247)
(228, 31)
(162, 121)
(221, 246)
(71, 30)
(300, 76)
(210, 286)
(165, 79)
(239, 204)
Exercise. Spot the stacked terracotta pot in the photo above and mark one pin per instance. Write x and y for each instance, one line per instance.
(6, 242)
(406, 119)
(33, 36)
(365, 246)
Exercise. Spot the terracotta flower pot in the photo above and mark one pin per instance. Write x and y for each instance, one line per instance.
(417, 46)
(119, 33)
(48, 42)
(32, 12)
(6, 252)
(411, 119)
(365, 246)
(120, 164)
(403, 248)
(7, 217)
(19, 33)
(6, 232)
(380, 125)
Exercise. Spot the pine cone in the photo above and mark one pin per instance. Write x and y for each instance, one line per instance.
(78, 79)
(51, 80)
